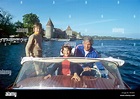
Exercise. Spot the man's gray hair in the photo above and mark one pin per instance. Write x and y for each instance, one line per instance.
(89, 39)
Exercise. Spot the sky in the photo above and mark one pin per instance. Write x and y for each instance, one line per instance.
(116, 18)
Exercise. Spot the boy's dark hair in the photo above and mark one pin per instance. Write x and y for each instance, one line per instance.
(38, 24)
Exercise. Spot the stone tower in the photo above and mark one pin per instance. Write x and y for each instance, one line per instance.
(49, 29)
(69, 32)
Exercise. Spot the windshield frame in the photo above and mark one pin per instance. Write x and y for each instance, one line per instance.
(72, 59)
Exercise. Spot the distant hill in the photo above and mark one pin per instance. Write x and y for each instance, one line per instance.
(110, 38)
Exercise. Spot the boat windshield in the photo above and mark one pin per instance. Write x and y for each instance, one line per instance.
(33, 71)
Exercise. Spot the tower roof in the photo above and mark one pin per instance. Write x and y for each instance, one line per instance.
(69, 28)
(50, 23)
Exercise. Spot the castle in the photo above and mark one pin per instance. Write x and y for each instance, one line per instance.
(52, 32)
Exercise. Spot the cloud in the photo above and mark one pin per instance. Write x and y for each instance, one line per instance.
(95, 22)
(21, 2)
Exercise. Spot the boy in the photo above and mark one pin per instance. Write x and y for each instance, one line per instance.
(34, 45)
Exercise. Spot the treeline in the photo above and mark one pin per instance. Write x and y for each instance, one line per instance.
(7, 27)
(110, 38)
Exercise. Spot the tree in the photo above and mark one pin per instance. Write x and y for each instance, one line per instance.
(20, 30)
(29, 20)
(6, 26)
(18, 24)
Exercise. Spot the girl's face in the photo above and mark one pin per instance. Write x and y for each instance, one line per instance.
(66, 52)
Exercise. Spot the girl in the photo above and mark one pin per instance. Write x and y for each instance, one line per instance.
(66, 67)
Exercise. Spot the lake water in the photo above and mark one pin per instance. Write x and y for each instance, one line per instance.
(128, 50)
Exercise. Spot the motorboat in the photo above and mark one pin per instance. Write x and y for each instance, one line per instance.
(106, 79)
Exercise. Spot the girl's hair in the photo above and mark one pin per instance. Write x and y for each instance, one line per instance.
(66, 46)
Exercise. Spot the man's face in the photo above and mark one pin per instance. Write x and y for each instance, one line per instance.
(87, 45)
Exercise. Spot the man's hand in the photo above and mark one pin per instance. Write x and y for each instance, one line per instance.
(87, 69)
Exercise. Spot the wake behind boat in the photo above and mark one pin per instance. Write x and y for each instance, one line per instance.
(109, 78)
